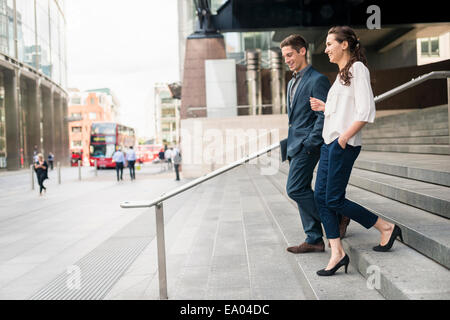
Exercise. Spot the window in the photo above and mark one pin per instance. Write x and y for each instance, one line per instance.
(77, 143)
(430, 47)
(76, 129)
(75, 100)
(76, 115)
(92, 101)
(92, 115)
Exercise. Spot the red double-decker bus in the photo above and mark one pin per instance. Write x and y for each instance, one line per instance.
(106, 137)
(147, 152)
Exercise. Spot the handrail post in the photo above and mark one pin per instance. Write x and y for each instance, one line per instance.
(58, 164)
(79, 169)
(32, 176)
(161, 251)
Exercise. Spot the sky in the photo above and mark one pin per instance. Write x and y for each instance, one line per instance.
(126, 46)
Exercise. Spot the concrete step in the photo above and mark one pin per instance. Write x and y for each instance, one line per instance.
(435, 140)
(422, 195)
(402, 128)
(421, 123)
(403, 133)
(427, 233)
(404, 273)
(427, 115)
(286, 219)
(423, 167)
(407, 148)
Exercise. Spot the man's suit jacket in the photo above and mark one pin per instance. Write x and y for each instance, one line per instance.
(305, 125)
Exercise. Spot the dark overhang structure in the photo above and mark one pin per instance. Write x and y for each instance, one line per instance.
(399, 20)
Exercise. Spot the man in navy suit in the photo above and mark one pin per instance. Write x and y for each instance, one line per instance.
(304, 138)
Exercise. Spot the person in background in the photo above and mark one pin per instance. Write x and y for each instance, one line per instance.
(51, 158)
(168, 156)
(119, 159)
(35, 154)
(131, 159)
(41, 169)
(176, 162)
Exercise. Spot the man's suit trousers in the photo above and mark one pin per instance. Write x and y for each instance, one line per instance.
(298, 187)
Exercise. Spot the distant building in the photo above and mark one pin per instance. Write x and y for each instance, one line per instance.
(90, 106)
(167, 115)
(33, 78)
(433, 49)
(112, 100)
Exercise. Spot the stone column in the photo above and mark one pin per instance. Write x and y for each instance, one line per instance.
(254, 81)
(277, 85)
(193, 93)
(448, 102)
(12, 115)
(48, 120)
(65, 160)
(58, 122)
(33, 106)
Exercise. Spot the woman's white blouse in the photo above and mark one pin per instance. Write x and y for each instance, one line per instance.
(347, 104)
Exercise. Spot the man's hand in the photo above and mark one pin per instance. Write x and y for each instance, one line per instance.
(317, 104)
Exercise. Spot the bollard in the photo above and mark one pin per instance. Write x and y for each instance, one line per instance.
(58, 164)
(96, 168)
(79, 169)
(32, 176)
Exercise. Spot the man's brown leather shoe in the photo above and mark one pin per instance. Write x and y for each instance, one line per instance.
(306, 247)
(342, 228)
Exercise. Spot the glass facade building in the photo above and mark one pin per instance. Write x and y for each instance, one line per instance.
(33, 78)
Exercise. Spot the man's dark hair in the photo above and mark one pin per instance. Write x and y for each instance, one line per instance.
(296, 41)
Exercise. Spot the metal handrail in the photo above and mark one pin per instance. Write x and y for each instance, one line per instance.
(412, 83)
(158, 202)
(187, 186)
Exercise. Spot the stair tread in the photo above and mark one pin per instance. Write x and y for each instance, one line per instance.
(352, 286)
(404, 269)
(432, 162)
(419, 223)
(428, 189)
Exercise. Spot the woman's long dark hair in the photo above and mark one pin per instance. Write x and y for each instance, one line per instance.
(345, 33)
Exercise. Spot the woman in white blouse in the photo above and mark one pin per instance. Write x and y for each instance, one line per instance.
(349, 106)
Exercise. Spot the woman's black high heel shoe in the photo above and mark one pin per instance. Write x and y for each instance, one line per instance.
(344, 262)
(397, 232)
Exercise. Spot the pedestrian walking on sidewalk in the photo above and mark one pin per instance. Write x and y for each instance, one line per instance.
(41, 169)
(131, 159)
(168, 157)
(51, 158)
(177, 162)
(35, 154)
(304, 138)
(349, 106)
(119, 159)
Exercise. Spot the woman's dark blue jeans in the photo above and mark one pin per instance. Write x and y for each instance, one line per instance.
(333, 173)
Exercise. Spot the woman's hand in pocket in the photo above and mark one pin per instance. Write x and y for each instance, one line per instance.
(342, 141)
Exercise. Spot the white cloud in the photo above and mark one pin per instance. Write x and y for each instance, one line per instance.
(126, 46)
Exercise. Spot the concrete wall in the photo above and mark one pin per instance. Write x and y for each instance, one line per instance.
(220, 81)
(208, 144)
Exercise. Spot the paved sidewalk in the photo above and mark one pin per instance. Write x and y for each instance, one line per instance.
(42, 236)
